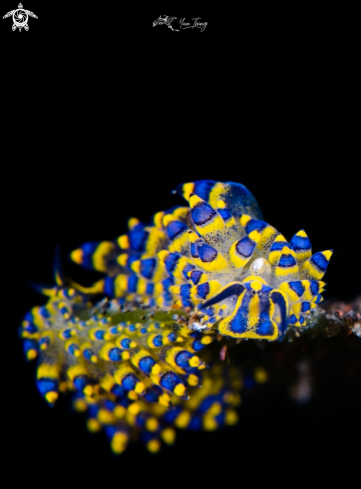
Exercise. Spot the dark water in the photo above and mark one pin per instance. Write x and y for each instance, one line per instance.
(105, 120)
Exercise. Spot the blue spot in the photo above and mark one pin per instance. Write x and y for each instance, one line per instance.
(132, 328)
(171, 262)
(28, 317)
(318, 299)
(143, 330)
(188, 268)
(149, 289)
(110, 431)
(302, 320)
(99, 334)
(297, 287)
(287, 261)
(45, 340)
(153, 393)
(88, 250)
(202, 213)
(63, 310)
(125, 343)
(72, 348)
(320, 261)
(300, 243)
(239, 323)
(30, 328)
(66, 333)
(93, 411)
(185, 291)
(278, 246)
(167, 283)
(158, 340)
(202, 188)
(131, 259)
(141, 419)
(194, 250)
(80, 382)
(305, 306)
(197, 345)
(206, 404)
(207, 253)
(146, 364)
(172, 337)
(254, 224)
(265, 328)
(245, 247)
(46, 385)
(203, 290)
(117, 390)
(113, 330)
(182, 359)
(44, 312)
(110, 405)
(132, 283)
(138, 237)
(220, 418)
(109, 286)
(129, 382)
(195, 423)
(278, 299)
(292, 319)
(210, 311)
(169, 381)
(315, 287)
(195, 276)
(115, 354)
(147, 267)
(225, 214)
(175, 228)
(88, 353)
(171, 414)
(30, 345)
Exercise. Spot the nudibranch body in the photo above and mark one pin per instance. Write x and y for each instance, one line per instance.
(135, 359)
(216, 257)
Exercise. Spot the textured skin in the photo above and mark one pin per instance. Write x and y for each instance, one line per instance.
(217, 257)
(218, 266)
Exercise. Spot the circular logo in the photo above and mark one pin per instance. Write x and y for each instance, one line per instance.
(20, 17)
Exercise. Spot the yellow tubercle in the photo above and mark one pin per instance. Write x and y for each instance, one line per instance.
(183, 419)
(168, 436)
(260, 375)
(119, 442)
(180, 390)
(153, 446)
(51, 397)
(77, 256)
(93, 425)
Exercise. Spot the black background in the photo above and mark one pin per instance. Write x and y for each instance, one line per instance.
(102, 117)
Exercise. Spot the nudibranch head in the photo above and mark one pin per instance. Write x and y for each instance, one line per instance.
(218, 258)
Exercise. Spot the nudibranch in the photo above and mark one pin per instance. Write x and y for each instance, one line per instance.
(134, 360)
(216, 257)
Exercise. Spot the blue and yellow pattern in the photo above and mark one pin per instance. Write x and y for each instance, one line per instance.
(194, 274)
